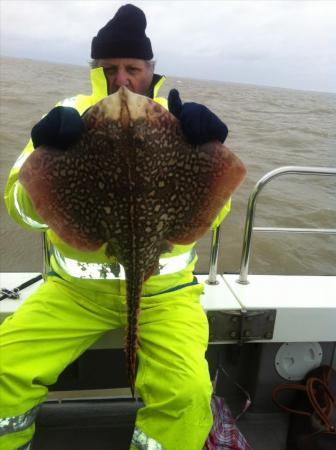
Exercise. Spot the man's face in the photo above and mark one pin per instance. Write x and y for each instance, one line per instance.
(135, 74)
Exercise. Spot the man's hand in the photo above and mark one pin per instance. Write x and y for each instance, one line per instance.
(198, 123)
(59, 129)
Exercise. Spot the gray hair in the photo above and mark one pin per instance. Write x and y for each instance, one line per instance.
(94, 64)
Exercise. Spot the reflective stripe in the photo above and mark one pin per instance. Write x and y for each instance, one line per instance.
(26, 446)
(157, 87)
(18, 423)
(71, 101)
(21, 159)
(28, 220)
(114, 270)
(143, 442)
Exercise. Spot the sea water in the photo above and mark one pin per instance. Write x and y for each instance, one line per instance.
(268, 128)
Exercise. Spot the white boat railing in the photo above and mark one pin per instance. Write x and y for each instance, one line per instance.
(249, 224)
(251, 208)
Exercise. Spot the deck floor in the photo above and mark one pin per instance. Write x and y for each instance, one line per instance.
(264, 431)
(83, 428)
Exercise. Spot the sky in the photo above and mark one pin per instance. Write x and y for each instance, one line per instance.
(289, 44)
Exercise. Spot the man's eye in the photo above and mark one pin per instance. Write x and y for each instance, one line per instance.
(110, 71)
(133, 69)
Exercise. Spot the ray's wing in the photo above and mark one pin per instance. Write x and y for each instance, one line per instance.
(79, 193)
(181, 188)
(211, 175)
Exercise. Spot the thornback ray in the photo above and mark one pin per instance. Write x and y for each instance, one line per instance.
(133, 184)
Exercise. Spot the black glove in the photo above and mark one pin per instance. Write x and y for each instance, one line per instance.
(59, 129)
(198, 123)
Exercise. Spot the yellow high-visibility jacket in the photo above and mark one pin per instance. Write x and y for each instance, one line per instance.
(176, 267)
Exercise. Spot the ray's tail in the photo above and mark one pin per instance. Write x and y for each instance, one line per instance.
(134, 287)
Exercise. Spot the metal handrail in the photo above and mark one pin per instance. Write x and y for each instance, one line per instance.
(214, 249)
(248, 229)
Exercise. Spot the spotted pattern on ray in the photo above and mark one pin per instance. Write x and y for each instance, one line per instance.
(134, 183)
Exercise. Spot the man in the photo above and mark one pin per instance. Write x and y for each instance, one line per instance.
(84, 296)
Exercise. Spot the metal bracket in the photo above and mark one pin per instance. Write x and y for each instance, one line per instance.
(13, 294)
(241, 326)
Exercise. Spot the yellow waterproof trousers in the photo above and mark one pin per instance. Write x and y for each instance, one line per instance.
(60, 321)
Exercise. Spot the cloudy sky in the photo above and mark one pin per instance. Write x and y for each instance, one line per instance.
(277, 43)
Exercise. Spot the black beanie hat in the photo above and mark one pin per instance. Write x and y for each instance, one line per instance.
(123, 36)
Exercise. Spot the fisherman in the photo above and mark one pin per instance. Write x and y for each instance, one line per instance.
(83, 295)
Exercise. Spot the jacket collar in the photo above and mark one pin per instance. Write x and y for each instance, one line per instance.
(99, 85)
(155, 86)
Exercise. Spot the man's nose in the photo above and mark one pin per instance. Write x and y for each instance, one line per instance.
(121, 78)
